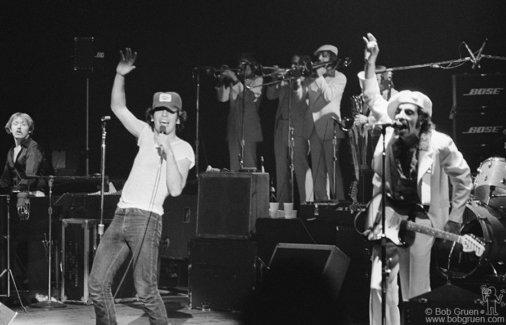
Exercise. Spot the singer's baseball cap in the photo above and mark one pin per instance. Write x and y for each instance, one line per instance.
(408, 96)
(170, 100)
(327, 47)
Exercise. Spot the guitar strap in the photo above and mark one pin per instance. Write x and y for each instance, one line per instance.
(426, 178)
(425, 187)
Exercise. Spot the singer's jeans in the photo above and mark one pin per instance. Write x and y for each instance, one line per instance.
(125, 233)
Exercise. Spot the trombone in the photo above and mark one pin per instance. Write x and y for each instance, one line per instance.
(281, 74)
(307, 67)
(211, 71)
(303, 68)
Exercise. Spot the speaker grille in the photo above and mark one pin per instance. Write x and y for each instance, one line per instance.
(230, 203)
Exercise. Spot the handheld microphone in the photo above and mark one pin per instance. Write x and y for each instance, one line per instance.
(163, 130)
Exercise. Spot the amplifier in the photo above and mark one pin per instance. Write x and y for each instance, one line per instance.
(230, 203)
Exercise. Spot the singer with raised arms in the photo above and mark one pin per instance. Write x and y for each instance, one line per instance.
(419, 162)
(160, 169)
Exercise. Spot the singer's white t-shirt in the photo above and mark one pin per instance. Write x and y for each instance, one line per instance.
(146, 186)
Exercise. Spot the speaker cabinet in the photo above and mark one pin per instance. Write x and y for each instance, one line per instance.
(179, 226)
(475, 132)
(478, 102)
(221, 273)
(230, 203)
(327, 259)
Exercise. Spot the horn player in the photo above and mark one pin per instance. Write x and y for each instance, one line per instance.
(324, 91)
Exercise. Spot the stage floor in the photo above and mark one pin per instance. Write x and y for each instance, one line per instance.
(128, 313)
(132, 313)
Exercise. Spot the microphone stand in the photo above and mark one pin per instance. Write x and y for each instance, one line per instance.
(385, 270)
(8, 270)
(197, 121)
(334, 158)
(291, 140)
(49, 304)
(102, 176)
(243, 110)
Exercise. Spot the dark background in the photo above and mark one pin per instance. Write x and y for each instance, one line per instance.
(172, 37)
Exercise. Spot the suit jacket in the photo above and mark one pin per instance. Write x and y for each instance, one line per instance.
(301, 116)
(439, 160)
(31, 160)
(234, 94)
(324, 94)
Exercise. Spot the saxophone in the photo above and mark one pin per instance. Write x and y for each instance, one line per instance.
(354, 136)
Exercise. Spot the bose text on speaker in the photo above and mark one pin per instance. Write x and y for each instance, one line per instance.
(230, 203)
(327, 259)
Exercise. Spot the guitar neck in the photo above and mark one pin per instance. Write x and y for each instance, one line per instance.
(432, 232)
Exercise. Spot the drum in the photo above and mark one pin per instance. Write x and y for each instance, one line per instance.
(484, 222)
(490, 182)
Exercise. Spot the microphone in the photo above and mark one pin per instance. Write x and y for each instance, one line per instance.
(105, 118)
(163, 130)
(473, 59)
(394, 125)
(478, 57)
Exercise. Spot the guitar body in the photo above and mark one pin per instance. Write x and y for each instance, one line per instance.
(401, 231)
(395, 222)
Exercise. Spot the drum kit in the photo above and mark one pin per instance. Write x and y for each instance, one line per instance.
(485, 218)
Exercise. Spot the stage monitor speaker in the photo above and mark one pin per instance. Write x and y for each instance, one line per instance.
(327, 259)
(230, 203)
(6, 315)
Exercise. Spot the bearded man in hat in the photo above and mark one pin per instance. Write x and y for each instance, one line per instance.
(324, 91)
(160, 169)
(419, 163)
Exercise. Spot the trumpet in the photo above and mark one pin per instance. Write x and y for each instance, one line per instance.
(306, 67)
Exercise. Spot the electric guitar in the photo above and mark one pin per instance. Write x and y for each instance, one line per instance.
(401, 231)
